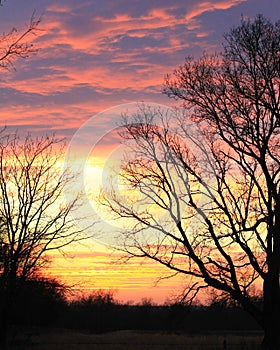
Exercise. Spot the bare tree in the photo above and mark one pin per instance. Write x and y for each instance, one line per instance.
(16, 43)
(234, 246)
(34, 219)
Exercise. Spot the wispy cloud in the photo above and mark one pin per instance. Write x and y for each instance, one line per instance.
(94, 55)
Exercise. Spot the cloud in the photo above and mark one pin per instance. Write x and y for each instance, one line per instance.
(201, 7)
(94, 55)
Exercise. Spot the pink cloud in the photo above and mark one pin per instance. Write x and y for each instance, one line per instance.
(59, 8)
(103, 35)
(207, 6)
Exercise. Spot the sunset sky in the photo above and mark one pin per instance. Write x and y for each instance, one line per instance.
(94, 55)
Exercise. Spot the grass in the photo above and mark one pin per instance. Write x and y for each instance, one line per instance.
(131, 340)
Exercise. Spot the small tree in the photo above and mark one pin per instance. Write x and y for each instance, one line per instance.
(33, 216)
(233, 99)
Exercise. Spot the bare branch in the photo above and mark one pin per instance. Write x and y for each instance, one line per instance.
(17, 44)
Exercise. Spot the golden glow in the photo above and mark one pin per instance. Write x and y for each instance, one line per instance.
(92, 266)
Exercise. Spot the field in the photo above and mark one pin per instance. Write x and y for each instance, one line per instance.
(126, 340)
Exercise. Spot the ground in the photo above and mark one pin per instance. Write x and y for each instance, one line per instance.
(126, 340)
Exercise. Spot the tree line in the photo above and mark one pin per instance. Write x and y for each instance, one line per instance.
(42, 304)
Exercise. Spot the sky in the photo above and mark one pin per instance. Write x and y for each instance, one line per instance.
(94, 55)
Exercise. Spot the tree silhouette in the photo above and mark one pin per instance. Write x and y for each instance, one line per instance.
(33, 216)
(213, 211)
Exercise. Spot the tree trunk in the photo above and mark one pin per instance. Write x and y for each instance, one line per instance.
(7, 298)
(3, 321)
(271, 339)
(271, 312)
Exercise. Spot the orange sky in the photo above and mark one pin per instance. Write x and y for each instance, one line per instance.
(95, 55)
(96, 267)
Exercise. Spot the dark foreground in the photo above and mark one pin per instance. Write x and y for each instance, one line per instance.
(126, 340)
